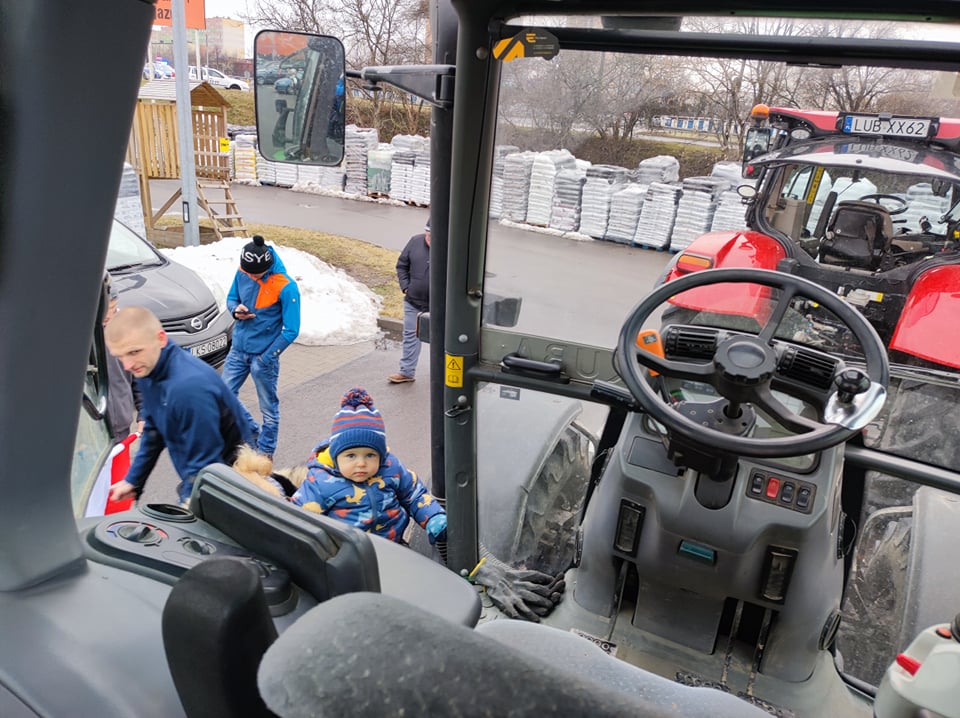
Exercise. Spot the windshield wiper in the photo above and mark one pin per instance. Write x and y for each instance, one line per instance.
(133, 265)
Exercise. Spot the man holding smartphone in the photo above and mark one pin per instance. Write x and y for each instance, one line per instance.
(265, 301)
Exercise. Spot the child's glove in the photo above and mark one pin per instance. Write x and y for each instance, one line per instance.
(437, 528)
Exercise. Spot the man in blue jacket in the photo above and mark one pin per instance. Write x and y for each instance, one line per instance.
(185, 407)
(265, 301)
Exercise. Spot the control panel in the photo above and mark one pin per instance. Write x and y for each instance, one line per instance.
(161, 539)
(788, 492)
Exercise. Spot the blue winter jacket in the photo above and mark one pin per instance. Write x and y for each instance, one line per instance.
(381, 505)
(189, 410)
(275, 299)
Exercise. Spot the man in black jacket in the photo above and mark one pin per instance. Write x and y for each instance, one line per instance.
(413, 271)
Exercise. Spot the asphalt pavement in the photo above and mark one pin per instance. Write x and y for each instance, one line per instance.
(562, 283)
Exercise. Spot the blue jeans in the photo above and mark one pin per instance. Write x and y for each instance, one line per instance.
(411, 344)
(238, 366)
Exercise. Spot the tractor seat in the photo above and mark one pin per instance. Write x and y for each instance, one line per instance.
(365, 654)
(858, 235)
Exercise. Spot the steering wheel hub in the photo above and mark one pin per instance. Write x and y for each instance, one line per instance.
(745, 360)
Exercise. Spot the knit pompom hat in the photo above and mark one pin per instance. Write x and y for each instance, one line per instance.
(358, 423)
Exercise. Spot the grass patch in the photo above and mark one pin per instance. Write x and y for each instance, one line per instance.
(367, 263)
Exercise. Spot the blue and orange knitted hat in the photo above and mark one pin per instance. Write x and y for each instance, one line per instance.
(358, 423)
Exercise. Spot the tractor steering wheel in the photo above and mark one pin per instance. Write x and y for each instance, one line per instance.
(743, 366)
(902, 204)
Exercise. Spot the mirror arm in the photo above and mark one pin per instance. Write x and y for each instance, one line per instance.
(431, 83)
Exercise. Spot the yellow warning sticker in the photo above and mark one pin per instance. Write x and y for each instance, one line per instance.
(224, 144)
(454, 371)
(531, 42)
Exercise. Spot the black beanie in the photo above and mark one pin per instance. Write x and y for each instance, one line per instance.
(256, 256)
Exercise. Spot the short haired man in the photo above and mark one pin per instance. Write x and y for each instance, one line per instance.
(265, 301)
(185, 407)
(413, 273)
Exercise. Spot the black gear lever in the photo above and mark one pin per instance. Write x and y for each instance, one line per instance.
(849, 383)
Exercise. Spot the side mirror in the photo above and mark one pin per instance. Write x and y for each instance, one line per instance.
(758, 142)
(300, 97)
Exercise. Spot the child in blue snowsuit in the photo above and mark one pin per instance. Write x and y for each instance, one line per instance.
(352, 476)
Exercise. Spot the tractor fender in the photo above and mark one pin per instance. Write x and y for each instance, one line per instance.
(531, 483)
(927, 324)
(743, 248)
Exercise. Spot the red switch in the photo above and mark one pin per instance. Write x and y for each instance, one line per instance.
(773, 488)
(910, 665)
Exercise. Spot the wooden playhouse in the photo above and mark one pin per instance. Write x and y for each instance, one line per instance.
(154, 152)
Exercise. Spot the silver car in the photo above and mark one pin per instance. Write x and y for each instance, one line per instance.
(193, 313)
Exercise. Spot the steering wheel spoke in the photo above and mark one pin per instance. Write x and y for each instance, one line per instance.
(796, 423)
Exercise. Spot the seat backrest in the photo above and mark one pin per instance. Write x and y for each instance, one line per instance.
(380, 651)
(216, 627)
(858, 235)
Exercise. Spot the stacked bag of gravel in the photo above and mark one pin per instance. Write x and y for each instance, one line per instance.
(696, 208)
(420, 181)
(500, 152)
(602, 182)
(543, 176)
(731, 210)
(662, 168)
(358, 142)
(401, 175)
(379, 163)
(625, 208)
(657, 215)
(516, 185)
(245, 159)
(567, 191)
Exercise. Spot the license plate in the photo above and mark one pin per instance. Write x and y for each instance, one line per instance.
(915, 127)
(209, 347)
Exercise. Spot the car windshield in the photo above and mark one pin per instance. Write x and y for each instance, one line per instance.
(128, 250)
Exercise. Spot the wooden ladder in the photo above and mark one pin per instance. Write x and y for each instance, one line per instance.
(227, 222)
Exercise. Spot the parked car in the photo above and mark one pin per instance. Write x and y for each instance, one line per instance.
(268, 73)
(192, 312)
(219, 79)
(161, 71)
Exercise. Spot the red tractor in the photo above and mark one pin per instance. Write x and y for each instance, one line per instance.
(867, 206)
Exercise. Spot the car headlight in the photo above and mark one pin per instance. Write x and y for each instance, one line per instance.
(218, 296)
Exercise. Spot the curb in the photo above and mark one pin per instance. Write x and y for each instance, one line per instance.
(391, 326)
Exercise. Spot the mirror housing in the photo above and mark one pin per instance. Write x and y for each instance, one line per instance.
(300, 97)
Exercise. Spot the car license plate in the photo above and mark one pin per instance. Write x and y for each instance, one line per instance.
(915, 127)
(209, 347)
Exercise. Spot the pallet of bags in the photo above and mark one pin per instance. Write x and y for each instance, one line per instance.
(662, 168)
(602, 182)
(567, 191)
(358, 141)
(379, 164)
(731, 212)
(657, 216)
(543, 174)
(625, 208)
(496, 183)
(516, 185)
(245, 159)
(420, 181)
(696, 208)
(401, 175)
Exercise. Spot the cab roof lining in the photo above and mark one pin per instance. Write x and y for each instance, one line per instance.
(826, 52)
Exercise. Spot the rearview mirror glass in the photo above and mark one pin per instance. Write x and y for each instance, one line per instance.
(300, 97)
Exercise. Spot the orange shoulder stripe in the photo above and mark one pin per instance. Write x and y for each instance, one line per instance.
(270, 290)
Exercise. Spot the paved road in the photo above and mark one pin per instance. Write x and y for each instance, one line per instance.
(571, 289)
